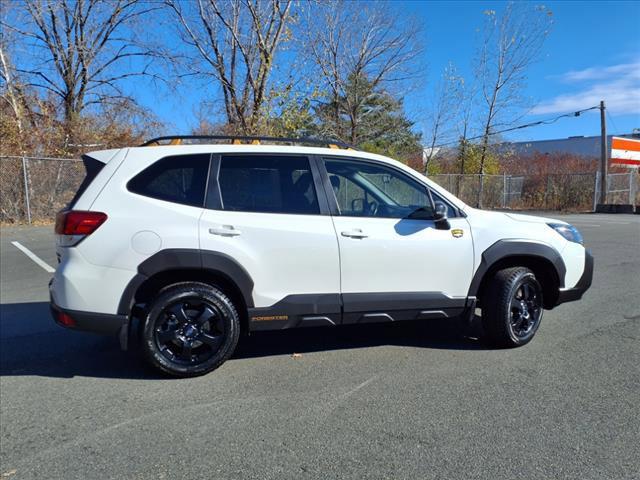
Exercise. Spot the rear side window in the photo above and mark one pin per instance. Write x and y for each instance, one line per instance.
(178, 179)
(267, 184)
(92, 169)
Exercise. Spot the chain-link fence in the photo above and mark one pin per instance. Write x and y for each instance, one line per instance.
(570, 192)
(623, 188)
(34, 189)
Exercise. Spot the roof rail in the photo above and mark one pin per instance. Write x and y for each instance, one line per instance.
(240, 139)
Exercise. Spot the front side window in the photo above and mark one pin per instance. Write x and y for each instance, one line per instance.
(178, 179)
(369, 190)
(267, 184)
(451, 212)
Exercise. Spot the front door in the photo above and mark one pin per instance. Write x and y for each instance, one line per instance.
(394, 262)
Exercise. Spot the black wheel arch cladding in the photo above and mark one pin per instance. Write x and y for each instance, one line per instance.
(503, 250)
(188, 259)
(222, 264)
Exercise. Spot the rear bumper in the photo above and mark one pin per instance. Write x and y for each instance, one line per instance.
(101, 323)
(575, 293)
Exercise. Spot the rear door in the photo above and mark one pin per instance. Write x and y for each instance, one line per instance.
(395, 263)
(264, 211)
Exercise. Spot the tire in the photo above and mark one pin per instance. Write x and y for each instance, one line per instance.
(512, 307)
(190, 329)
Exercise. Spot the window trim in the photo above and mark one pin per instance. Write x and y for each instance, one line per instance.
(214, 200)
(335, 209)
(92, 168)
(158, 160)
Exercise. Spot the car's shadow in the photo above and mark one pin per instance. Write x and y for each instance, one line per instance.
(31, 344)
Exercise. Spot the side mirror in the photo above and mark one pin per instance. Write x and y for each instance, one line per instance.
(440, 216)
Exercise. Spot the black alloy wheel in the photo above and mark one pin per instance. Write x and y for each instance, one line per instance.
(512, 307)
(190, 329)
(526, 308)
(190, 332)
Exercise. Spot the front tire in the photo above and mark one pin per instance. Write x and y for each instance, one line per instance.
(190, 329)
(512, 307)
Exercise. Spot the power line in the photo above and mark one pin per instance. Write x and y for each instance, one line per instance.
(547, 121)
(611, 120)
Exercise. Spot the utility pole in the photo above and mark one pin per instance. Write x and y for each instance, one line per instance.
(604, 157)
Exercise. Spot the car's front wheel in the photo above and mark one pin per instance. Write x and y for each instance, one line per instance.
(190, 329)
(512, 307)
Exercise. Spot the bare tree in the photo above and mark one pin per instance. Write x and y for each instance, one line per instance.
(235, 42)
(512, 43)
(445, 109)
(11, 89)
(82, 49)
(466, 108)
(352, 42)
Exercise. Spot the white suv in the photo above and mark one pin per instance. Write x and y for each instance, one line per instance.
(188, 245)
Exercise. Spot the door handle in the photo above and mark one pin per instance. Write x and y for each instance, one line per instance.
(225, 231)
(355, 233)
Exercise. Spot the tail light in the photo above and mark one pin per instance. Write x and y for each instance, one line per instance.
(74, 225)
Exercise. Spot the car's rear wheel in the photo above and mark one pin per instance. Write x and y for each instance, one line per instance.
(190, 329)
(512, 307)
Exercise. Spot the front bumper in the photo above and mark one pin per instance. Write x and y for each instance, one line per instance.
(575, 293)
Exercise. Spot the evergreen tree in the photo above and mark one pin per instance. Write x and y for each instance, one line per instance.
(370, 119)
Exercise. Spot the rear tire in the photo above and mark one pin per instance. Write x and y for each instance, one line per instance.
(190, 329)
(512, 307)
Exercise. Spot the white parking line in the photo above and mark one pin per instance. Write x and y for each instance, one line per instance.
(607, 222)
(579, 224)
(33, 257)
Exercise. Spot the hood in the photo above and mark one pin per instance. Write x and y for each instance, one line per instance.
(512, 216)
(532, 218)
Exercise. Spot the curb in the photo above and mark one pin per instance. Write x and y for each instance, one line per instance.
(611, 208)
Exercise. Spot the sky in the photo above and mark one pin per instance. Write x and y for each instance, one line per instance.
(591, 54)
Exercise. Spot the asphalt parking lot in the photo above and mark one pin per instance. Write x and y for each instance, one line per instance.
(408, 400)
